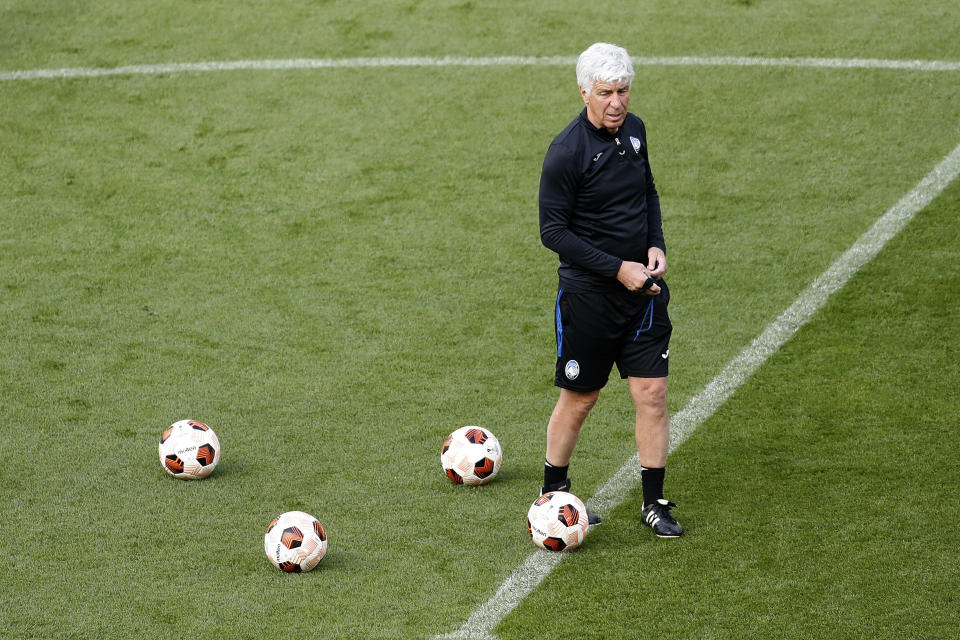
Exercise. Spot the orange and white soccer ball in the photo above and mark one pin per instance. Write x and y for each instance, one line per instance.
(557, 521)
(295, 542)
(189, 450)
(471, 455)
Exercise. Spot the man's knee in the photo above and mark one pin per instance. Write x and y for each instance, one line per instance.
(649, 391)
(577, 402)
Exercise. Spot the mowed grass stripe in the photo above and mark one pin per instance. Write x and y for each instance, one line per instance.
(539, 564)
(459, 61)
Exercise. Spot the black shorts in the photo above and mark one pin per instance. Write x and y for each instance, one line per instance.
(596, 330)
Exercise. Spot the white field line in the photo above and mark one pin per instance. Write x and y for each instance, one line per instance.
(539, 564)
(454, 61)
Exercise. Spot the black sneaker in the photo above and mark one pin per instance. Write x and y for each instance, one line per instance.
(592, 518)
(656, 515)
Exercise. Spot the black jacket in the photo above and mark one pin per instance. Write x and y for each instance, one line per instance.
(598, 203)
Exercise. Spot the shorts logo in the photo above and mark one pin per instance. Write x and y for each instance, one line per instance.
(572, 370)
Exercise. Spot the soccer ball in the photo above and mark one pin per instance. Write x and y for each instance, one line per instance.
(189, 450)
(557, 521)
(471, 455)
(295, 542)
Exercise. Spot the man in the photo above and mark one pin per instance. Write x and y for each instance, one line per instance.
(600, 211)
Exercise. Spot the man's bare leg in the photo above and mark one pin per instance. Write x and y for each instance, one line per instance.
(653, 440)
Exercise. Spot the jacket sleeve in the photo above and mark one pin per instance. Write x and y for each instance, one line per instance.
(559, 182)
(654, 218)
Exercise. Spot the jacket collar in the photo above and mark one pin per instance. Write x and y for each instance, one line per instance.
(599, 131)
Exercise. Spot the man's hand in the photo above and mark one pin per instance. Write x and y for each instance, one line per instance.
(656, 262)
(634, 275)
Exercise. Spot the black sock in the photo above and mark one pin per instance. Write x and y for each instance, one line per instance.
(553, 476)
(652, 482)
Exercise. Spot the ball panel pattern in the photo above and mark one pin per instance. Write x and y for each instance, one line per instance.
(291, 538)
(471, 455)
(189, 450)
(295, 542)
(557, 521)
(173, 463)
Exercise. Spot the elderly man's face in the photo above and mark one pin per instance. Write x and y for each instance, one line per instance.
(607, 104)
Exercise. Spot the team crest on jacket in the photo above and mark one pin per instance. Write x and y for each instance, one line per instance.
(636, 144)
(572, 370)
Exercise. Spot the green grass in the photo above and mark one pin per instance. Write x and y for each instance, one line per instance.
(819, 502)
(334, 269)
(48, 33)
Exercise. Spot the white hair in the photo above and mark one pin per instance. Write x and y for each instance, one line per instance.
(603, 62)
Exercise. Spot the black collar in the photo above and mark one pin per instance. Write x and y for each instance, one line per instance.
(599, 131)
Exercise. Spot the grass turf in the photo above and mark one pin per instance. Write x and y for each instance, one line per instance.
(819, 500)
(334, 269)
